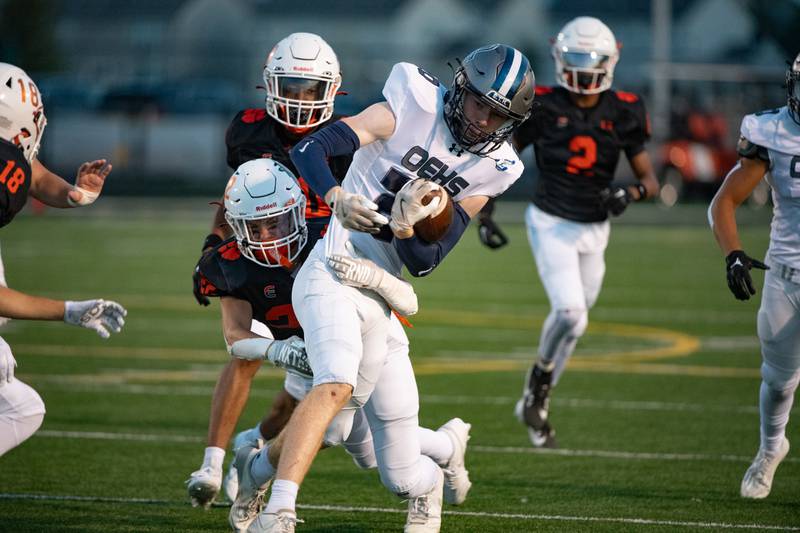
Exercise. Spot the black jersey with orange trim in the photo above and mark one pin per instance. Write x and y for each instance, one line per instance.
(577, 149)
(224, 271)
(253, 134)
(15, 180)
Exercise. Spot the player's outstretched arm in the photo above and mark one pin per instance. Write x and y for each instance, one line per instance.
(54, 191)
(738, 185)
(344, 137)
(102, 316)
(244, 344)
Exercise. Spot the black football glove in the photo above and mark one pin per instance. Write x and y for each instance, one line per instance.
(490, 233)
(615, 199)
(738, 266)
(212, 241)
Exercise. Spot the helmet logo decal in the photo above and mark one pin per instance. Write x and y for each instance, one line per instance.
(499, 98)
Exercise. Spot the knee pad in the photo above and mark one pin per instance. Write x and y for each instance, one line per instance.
(778, 379)
(339, 428)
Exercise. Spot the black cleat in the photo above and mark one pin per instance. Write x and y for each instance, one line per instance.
(532, 409)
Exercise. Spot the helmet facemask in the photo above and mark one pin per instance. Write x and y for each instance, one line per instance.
(274, 239)
(584, 72)
(793, 90)
(468, 133)
(300, 102)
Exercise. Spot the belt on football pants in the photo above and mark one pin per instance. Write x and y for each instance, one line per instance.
(786, 272)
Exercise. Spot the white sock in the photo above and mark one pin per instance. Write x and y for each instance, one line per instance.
(260, 468)
(283, 496)
(774, 406)
(436, 445)
(213, 458)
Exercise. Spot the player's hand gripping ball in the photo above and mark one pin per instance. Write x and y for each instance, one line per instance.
(435, 226)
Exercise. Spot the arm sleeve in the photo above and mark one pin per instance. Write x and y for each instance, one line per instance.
(310, 156)
(420, 257)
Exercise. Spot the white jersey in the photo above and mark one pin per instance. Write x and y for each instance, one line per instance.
(780, 135)
(420, 147)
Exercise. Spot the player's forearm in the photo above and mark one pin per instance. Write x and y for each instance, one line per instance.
(420, 257)
(722, 216)
(48, 187)
(15, 304)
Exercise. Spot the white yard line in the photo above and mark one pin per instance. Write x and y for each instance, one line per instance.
(603, 454)
(474, 514)
(443, 399)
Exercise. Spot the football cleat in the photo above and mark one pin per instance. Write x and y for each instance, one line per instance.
(456, 476)
(203, 486)
(757, 481)
(281, 522)
(250, 497)
(425, 512)
(533, 408)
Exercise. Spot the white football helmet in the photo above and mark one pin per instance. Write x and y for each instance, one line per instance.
(266, 209)
(22, 118)
(585, 52)
(301, 76)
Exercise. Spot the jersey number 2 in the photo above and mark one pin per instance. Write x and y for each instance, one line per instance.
(585, 150)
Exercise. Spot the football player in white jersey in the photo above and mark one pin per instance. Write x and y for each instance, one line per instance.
(421, 137)
(22, 123)
(769, 146)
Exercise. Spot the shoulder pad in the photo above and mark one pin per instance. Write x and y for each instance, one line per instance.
(750, 150)
(221, 268)
(627, 97)
(409, 85)
(249, 116)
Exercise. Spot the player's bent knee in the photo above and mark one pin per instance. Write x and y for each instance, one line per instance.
(573, 320)
(778, 379)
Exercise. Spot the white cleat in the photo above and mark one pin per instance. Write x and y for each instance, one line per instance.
(250, 497)
(281, 522)
(425, 512)
(203, 486)
(230, 484)
(456, 476)
(757, 480)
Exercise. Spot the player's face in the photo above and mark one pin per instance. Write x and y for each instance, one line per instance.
(269, 229)
(481, 114)
(301, 89)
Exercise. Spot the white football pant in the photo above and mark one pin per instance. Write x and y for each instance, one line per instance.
(348, 340)
(3, 320)
(569, 257)
(779, 333)
(21, 414)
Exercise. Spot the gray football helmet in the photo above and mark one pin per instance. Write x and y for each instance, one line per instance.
(793, 89)
(498, 76)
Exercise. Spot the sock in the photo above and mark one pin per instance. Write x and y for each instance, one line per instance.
(260, 468)
(283, 496)
(436, 445)
(213, 458)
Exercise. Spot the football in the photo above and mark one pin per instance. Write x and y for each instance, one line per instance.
(434, 227)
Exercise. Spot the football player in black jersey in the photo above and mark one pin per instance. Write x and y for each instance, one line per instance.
(301, 79)
(578, 132)
(22, 123)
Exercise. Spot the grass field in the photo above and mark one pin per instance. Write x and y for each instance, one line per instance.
(657, 416)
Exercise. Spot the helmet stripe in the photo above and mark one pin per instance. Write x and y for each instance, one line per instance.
(503, 74)
(511, 73)
(523, 69)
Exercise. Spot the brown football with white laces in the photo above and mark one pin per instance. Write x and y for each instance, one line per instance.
(435, 226)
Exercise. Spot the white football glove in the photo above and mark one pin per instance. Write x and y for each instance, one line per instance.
(364, 274)
(354, 211)
(407, 209)
(291, 355)
(103, 316)
(7, 363)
